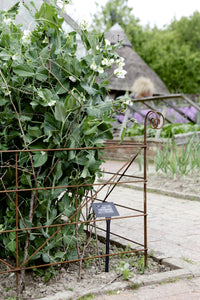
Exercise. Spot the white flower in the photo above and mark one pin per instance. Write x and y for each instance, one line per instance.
(105, 62)
(72, 78)
(26, 39)
(15, 57)
(59, 3)
(120, 59)
(98, 48)
(83, 25)
(100, 70)
(7, 21)
(45, 41)
(107, 42)
(93, 66)
(43, 152)
(61, 195)
(51, 102)
(120, 62)
(7, 93)
(120, 73)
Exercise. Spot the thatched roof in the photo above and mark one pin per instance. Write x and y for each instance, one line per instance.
(134, 64)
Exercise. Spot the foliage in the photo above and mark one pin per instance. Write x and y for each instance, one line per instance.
(124, 269)
(174, 160)
(87, 297)
(172, 52)
(168, 130)
(114, 11)
(140, 264)
(183, 29)
(49, 99)
(174, 61)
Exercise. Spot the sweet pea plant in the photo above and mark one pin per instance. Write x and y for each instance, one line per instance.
(50, 98)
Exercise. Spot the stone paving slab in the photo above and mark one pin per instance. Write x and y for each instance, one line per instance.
(173, 224)
(184, 289)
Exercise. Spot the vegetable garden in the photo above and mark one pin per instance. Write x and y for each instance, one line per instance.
(55, 114)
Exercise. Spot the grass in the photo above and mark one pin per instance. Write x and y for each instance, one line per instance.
(188, 260)
(87, 297)
(115, 292)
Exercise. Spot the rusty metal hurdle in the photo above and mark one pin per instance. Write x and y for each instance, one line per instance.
(108, 185)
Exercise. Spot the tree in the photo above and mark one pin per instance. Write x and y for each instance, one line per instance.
(173, 52)
(115, 11)
(187, 31)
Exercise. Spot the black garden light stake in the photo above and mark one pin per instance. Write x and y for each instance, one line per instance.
(107, 210)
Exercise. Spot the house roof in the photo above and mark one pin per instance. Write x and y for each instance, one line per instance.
(134, 64)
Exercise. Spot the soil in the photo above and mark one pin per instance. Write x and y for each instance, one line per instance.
(93, 275)
(158, 181)
(187, 185)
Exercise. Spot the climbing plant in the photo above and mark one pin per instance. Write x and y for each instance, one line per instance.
(51, 97)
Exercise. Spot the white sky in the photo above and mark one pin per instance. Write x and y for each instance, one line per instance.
(152, 12)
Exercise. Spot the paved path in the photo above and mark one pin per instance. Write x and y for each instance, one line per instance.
(185, 289)
(173, 235)
(173, 223)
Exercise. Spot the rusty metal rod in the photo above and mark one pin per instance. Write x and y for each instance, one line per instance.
(69, 149)
(68, 224)
(71, 261)
(67, 186)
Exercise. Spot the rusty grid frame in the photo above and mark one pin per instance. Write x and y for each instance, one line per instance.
(113, 181)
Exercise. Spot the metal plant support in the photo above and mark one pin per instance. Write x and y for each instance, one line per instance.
(156, 122)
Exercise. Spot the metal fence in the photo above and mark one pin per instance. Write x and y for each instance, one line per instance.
(100, 192)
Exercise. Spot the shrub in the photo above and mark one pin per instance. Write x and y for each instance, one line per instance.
(49, 99)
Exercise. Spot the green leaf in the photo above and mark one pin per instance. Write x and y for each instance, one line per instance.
(85, 173)
(5, 55)
(13, 10)
(45, 54)
(60, 254)
(12, 246)
(26, 179)
(48, 14)
(27, 223)
(41, 74)
(24, 70)
(34, 131)
(53, 214)
(40, 159)
(90, 130)
(45, 258)
(58, 171)
(12, 236)
(70, 103)
(88, 89)
(69, 240)
(68, 212)
(62, 89)
(60, 112)
(72, 255)
(3, 101)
